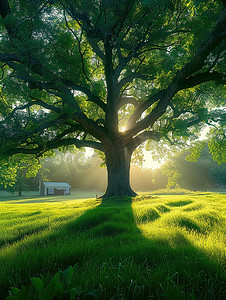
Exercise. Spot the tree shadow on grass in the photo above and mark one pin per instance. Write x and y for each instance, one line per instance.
(113, 255)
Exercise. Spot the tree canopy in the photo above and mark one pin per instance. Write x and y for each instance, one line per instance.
(111, 75)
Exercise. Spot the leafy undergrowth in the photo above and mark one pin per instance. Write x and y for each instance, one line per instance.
(148, 247)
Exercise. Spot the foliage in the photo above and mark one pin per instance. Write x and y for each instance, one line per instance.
(195, 152)
(217, 146)
(7, 174)
(20, 184)
(16, 168)
(47, 288)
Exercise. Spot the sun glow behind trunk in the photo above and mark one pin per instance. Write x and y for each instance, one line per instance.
(122, 129)
(149, 163)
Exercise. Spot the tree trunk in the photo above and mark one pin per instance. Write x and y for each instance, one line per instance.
(118, 168)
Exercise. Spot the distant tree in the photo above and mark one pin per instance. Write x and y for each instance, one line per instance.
(218, 175)
(20, 184)
(15, 168)
(200, 175)
(7, 174)
(159, 179)
(110, 75)
(15, 172)
(33, 181)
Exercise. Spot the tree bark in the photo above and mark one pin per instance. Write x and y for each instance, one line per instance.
(118, 160)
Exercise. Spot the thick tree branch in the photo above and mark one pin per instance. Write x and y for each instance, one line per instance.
(131, 77)
(36, 101)
(142, 107)
(21, 134)
(93, 36)
(125, 60)
(53, 145)
(91, 97)
(6, 57)
(120, 21)
(142, 137)
(202, 78)
(96, 49)
(123, 100)
(4, 8)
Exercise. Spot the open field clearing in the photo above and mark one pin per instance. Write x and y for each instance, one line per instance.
(34, 196)
(148, 247)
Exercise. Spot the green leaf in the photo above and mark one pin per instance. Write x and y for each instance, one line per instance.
(68, 273)
(59, 289)
(38, 285)
(49, 292)
(55, 278)
(45, 278)
(195, 151)
(94, 294)
(14, 291)
(24, 293)
(76, 291)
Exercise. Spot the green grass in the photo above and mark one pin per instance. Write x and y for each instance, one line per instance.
(148, 247)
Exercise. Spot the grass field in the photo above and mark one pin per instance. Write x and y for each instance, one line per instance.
(148, 247)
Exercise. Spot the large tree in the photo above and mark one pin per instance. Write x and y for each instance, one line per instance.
(108, 74)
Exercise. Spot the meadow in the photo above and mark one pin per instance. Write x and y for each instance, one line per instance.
(153, 246)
